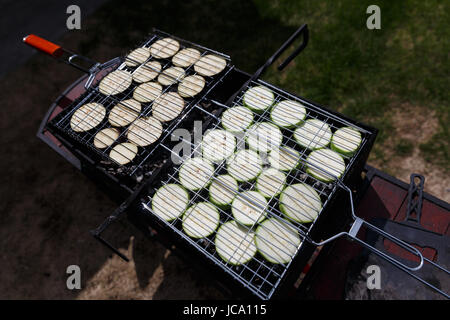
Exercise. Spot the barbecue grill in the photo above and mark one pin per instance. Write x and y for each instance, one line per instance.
(156, 164)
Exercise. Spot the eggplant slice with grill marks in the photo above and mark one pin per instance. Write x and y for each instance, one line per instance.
(87, 117)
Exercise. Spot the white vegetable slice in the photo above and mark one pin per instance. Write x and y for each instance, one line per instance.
(164, 48)
(210, 65)
(137, 56)
(87, 117)
(249, 207)
(270, 182)
(168, 106)
(218, 144)
(234, 243)
(284, 158)
(125, 112)
(186, 57)
(106, 137)
(171, 75)
(195, 173)
(191, 86)
(201, 220)
(237, 119)
(147, 72)
(300, 202)
(325, 165)
(222, 190)
(288, 113)
(145, 131)
(115, 82)
(123, 153)
(346, 141)
(170, 201)
(313, 134)
(245, 165)
(264, 136)
(277, 240)
(147, 92)
(258, 98)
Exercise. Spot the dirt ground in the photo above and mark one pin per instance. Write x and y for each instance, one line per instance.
(47, 207)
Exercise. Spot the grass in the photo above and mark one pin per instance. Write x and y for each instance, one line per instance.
(365, 74)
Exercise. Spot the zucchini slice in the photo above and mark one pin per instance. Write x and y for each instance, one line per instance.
(222, 190)
(125, 112)
(147, 92)
(186, 57)
(167, 106)
(171, 75)
(87, 117)
(237, 119)
(115, 82)
(284, 158)
(288, 113)
(277, 241)
(164, 48)
(145, 131)
(218, 145)
(200, 220)
(313, 134)
(147, 72)
(249, 207)
(264, 136)
(137, 56)
(170, 201)
(191, 86)
(235, 244)
(123, 153)
(106, 137)
(210, 65)
(270, 182)
(195, 173)
(244, 165)
(300, 202)
(325, 165)
(258, 98)
(346, 141)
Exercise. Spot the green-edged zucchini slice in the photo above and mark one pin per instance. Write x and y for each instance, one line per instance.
(325, 165)
(200, 220)
(170, 201)
(288, 113)
(235, 244)
(218, 145)
(284, 158)
(258, 98)
(270, 182)
(249, 207)
(237, 119)
(222, 190)
(276, 240)
(244, 165)
(264, 136)
(195, 173)
(300, 202)
(346, 141)
(313, 134)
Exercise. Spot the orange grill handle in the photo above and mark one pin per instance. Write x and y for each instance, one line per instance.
(43, 45)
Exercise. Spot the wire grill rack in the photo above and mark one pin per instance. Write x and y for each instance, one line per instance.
(259, 275)
(62, 123)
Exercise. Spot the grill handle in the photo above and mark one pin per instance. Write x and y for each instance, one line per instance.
(43, 45)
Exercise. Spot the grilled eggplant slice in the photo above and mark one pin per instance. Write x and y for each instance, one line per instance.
(137, 56)
(200, 220)
(147, 92)
(115, 82)
(167, 106)
(145, 131)
(186, 57)
(170, 201)
(123, 153)
(171, 75)
(164, 48)
(125, 112)
(235, 244)
(106, 137)
(147, 72)
(87, 117)
(191, 86)
(209, 65)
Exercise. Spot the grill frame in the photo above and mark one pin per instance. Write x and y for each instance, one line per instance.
(131, 205)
